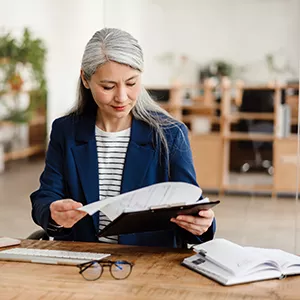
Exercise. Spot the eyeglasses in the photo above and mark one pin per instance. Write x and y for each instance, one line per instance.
(93, 270)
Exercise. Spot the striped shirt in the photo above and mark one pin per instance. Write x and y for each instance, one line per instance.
(111, 151)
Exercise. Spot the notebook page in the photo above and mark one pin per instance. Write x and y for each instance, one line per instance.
(287, 262)
(231, 257)
(257, 276)
(219, 274)
(166, 193)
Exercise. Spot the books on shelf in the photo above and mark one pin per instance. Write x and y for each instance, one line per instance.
(229, 263)
(284, 121)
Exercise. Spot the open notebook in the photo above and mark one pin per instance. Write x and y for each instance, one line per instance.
(229, 263)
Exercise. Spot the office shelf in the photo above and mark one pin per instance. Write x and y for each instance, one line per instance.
(211, 150)
(250, 116)
(238, 136)
(36, 132)
(23, 153)
(191, 118)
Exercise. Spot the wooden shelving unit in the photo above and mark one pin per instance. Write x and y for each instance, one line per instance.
(279, 146)
(211, 151)
(238, 136)
(207, 147)
(250, 116)
(23, 153)
(37, 144)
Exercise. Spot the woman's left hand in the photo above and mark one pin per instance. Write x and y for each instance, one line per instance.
(195, 225)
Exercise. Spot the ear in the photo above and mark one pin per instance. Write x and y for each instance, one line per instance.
(84, 81)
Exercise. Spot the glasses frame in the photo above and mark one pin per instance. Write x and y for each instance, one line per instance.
(103, 263)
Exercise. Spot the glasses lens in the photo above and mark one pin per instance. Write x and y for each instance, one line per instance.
(93, 272)
(120, 269)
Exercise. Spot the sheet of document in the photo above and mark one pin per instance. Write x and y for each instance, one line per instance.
(160, 194)
(231, 257)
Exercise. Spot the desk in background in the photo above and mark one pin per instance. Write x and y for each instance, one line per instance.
(157, 274)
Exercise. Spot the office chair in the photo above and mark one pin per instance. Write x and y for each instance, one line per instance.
(39, 234)
(160, 95)
(258, 163)
(257, 100)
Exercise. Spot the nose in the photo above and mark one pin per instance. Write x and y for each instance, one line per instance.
(121, 95)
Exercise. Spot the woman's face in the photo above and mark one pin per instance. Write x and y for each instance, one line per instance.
(115, 88)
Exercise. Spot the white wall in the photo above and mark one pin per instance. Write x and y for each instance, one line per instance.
(74, 23)
(238, 31)
(242, 32)
(66, 27)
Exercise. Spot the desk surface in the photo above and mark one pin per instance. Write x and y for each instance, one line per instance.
(157, 274)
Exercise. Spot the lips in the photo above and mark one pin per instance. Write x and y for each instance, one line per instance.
(119, 108)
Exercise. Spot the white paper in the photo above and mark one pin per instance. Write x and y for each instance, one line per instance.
(166, 193)
(230, 263)
(230, 256)
(7, 241)
(283, 259)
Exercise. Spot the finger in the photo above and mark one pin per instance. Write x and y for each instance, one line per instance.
(206, 213)
(70, 215)
(67, 219)
(194, 229)
(67, 223)
(202, 223)
(194, 220)
(186, 218)
(65, 205)
(69, 204)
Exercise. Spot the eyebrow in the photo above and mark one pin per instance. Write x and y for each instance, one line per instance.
(109, 81)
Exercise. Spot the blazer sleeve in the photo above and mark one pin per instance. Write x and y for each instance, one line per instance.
(182, 169)
(51, 185)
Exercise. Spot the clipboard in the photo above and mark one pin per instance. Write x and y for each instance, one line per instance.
(153, 219)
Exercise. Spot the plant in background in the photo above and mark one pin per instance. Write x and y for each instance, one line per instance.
(15, 81)
(223, 68)
(277, 65)
(30, 54)
(217, 69)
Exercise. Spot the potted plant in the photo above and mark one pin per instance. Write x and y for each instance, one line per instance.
(26, 55)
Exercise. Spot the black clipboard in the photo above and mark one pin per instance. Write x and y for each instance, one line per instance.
(152, 219)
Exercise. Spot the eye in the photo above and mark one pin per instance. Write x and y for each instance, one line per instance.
(131, 84)
(108, 87)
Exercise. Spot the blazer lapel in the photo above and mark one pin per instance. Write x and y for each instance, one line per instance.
(140, 154)
(85, 156)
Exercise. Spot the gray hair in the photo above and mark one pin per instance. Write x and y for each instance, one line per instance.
(111, 44)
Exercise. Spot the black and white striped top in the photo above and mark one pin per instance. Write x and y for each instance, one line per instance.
(111, 150)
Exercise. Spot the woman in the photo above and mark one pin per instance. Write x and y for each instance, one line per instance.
(116, 140)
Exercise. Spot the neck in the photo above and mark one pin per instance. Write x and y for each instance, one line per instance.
(113, 125)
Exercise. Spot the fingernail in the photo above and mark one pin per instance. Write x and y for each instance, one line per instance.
(179, 218)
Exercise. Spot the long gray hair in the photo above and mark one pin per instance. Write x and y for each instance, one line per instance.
(111, 44)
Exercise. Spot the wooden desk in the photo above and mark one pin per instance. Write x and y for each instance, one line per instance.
(157, 274)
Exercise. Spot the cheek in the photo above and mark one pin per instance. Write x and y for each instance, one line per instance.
(134, 92)
(101, 96)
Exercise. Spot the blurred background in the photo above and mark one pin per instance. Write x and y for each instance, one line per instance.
(228, 69)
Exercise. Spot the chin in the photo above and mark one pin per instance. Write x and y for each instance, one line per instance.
(121, 114)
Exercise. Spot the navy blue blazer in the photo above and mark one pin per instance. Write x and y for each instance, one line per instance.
(71, 171)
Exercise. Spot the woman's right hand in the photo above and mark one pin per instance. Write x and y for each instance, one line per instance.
(64, 212)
